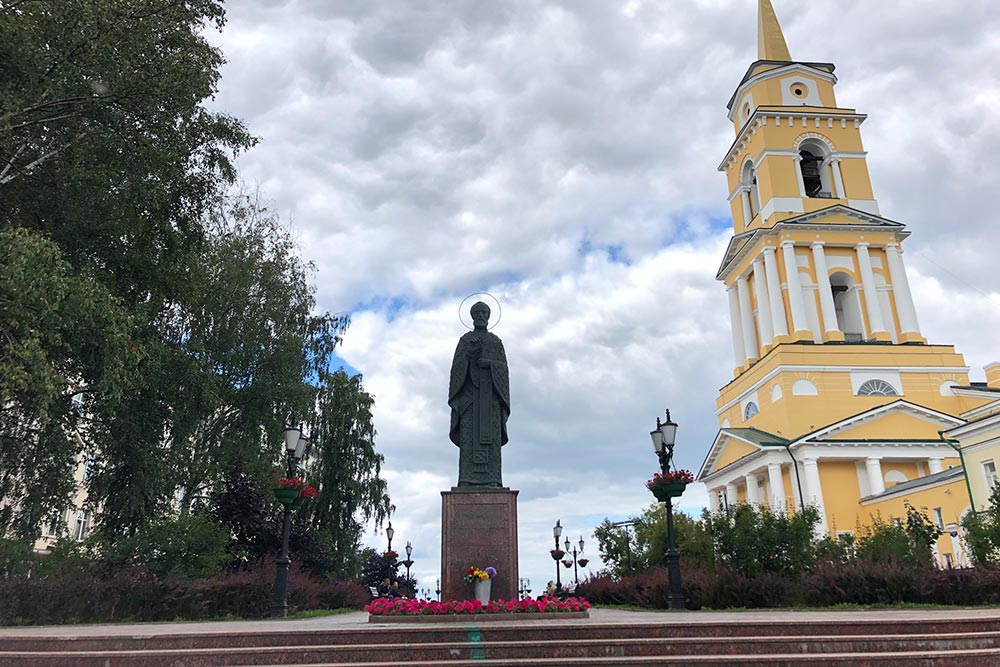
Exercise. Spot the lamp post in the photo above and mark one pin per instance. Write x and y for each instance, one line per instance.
(409, 561)
(663, 444)
(628, 539)
(582, 561)
(295, 445)
(437, 589)
(557, 533)
(389, 532)
(524, 587)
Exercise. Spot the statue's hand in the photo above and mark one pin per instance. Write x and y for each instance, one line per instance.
(485, 363)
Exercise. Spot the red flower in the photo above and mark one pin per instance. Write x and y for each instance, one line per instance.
(308, 492)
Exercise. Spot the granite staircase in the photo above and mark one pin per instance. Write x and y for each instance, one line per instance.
(954, 642)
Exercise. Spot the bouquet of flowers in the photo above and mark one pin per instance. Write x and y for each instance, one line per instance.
(474, 574)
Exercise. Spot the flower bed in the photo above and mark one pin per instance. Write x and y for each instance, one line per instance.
(404, 607)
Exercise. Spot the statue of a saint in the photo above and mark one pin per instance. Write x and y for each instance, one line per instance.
(479, 396)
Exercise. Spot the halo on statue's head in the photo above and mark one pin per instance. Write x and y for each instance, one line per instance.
(487, 298)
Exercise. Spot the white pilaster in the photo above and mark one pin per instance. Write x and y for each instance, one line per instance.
(739, 350)
(871, 291)
(814, 493)
(956, 545)
(827, 306)
(777, 486)
(799, 321)
(750, 348)
(764, 323)
(901, 289)
(753, 497)
(935, 464)
(838, 179)
(747, 213)
(778, 321)
(732, 495)
(875, 480)
(798, 176)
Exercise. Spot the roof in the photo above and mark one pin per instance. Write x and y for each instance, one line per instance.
(757, 437)
(978, 386)
(949, 475)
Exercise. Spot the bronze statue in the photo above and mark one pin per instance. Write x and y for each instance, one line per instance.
(479, 396)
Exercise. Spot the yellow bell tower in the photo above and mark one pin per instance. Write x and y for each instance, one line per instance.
(834, 386)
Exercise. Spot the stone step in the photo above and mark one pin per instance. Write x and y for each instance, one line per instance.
(751, 649)
(518, 632)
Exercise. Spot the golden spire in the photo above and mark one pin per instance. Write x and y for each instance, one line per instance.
(770, 42)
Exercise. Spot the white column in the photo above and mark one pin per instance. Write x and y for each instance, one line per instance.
(739, 350)
(774, 293)
(799, 321)
(747, 213)
(764, 322)
(713, 499)
(871, 291)
(814, 493)
(777, 484)
(746, 318)
(838, 179)
(753, 497)
(827, 306)
(798, 175)
(901, 290)
(935, 464)
(732, 495)
(875, 481)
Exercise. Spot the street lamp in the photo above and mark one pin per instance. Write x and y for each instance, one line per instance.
(524, 587)
(437, 589)
(557, 533)
(389, 532)
(409, 561)
(295, 445)
(663, 444)
(582, 561)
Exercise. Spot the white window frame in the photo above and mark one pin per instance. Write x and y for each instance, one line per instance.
(82, 525)
(938, 518)
(990, 474)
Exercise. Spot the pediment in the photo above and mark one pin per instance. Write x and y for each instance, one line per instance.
(897, 421)
(732, 445)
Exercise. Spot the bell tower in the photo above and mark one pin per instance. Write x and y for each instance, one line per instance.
(819, 298)
(836, 394)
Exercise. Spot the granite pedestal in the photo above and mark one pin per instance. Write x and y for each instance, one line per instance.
(479, 527)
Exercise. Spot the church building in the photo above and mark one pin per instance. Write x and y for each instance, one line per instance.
(837, 399)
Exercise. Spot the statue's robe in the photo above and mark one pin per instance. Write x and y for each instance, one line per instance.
(480, 404)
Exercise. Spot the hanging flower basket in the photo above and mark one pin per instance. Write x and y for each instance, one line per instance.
(669, 485)
(556, 554)
(567, 563)
(286, 496)
(583, 562)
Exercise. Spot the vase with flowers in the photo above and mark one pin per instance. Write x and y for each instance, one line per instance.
(481, 580)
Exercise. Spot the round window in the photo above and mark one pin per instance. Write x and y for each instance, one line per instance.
(798, 89)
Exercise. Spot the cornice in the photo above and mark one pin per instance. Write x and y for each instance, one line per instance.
(761, 115)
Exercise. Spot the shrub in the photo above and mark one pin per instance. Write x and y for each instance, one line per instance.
(187, 546)
(132, 595)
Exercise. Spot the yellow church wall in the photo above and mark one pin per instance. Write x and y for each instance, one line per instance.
(979, 447)
(734, 451)
(952, 498)
(857, 180)
(841, 490)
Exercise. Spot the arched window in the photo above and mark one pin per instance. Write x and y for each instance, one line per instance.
(813, 156)
(847, 306)
(877, 388)
(749, 180)
(750, 411)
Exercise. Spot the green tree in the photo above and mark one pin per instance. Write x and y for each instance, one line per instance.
(898, 541)
(981, 532)
(191, 547)
(644, 543)
(347, 467)
(752, 539)
(62, 337)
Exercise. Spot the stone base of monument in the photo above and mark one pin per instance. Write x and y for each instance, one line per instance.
(479, 528)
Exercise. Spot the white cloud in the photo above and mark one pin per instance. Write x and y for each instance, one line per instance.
(562, 155)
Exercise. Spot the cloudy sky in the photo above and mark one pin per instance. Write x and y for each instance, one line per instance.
(562, 156)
